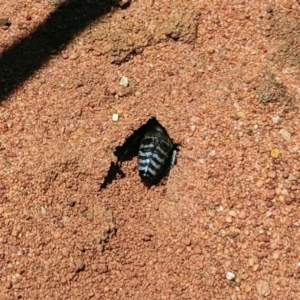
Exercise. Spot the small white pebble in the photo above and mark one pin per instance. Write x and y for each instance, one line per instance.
(263, 288)
(232, 213)
(285, 134)
(276, 255)
(228, 219)
(268, 214)
(276, 119)
(193, 127)
(124, 81)
(220, 208)
(230, 276)
(115, 117)
(212, 153)
(236, 105)
(222, 232)
(43, 210)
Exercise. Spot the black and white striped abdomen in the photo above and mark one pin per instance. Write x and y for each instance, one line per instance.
(153, 154)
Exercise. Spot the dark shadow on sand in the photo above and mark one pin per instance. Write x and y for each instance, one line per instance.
(27, 55)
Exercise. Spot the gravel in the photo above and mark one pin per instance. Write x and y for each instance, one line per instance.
(230, 276)
(221, 77)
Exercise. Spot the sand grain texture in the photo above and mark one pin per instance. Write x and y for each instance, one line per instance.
(223, 78)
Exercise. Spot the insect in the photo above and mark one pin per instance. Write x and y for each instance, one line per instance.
(156, 153)
(155, 150)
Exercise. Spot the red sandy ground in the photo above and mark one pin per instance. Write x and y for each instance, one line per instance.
(223, 78)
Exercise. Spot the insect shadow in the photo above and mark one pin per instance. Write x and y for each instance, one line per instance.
(130, 149)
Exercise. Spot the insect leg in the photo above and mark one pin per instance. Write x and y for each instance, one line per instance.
(173, 159)
(128, 149)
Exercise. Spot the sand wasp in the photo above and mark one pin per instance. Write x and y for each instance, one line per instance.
(156, 154)
(155, 150)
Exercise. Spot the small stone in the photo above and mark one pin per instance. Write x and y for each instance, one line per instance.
(106, 289)
(263, 288)
(70, 276)
(276, 255)
(8, 284)
(193, 128)
(93, 140)
(232, 213)
(65, 55)
(65, 252)
(71, 203)
(260, 183)
(74, 55)
(79, 264)
(115, 117)
(292, 177)
(209, 282)
(102, 268)
(16, 231)
(271, 174)
(57, 234)
(83, 209)
(123, 3)
(276, 119)
(212, 153)
(123, 92)
(275, 153)
(268, 9)
(242, 215)
(268, 213)
(124, 81)
(228, 219)
(211, 50)
(79, 246)
(241, 114)
(273, 245)
(251, 261)
(285, 134)
(90, 216)
(248, 78)
(270, 193)
(230, 276)
(28, 16)
(60, 224)
(187, 241)
(247, 288)
(269, 204)
(288, 200)
(4, 21)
